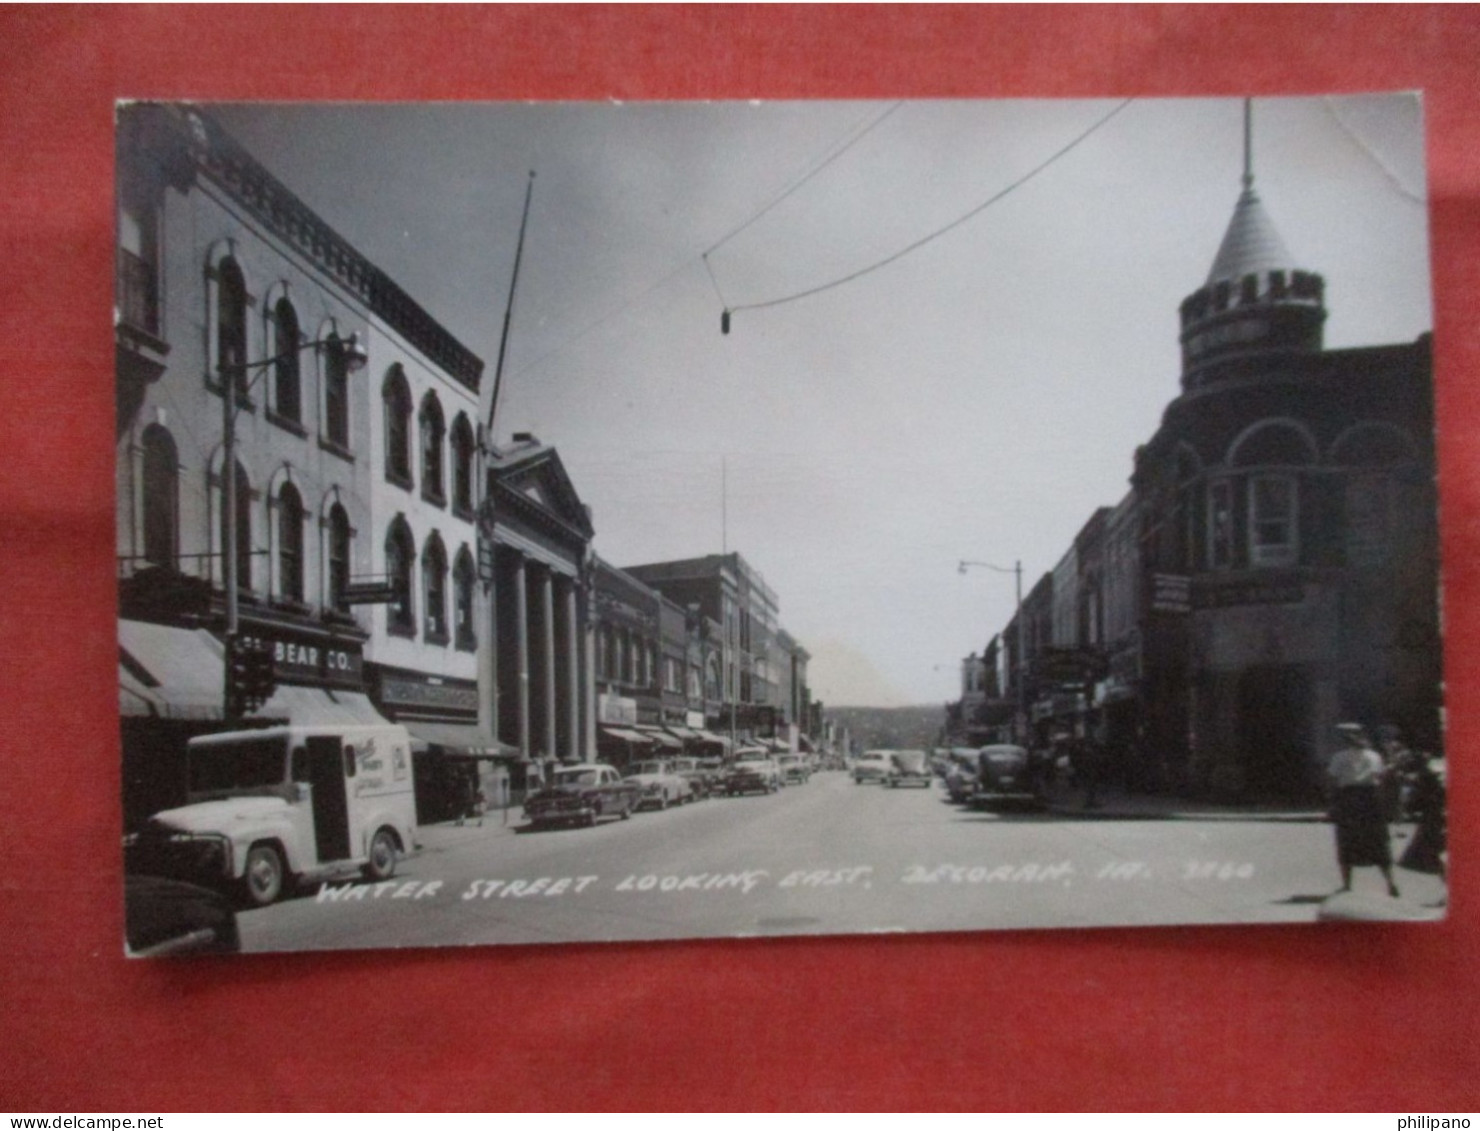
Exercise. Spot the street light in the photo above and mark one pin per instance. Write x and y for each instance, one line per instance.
(1022, 655)
(236, 380)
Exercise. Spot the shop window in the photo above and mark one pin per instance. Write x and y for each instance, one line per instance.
(287, 388)
(1273, 515)
(433, 430)
(462, 466)
(161, 497)
(464, 578)
(290, 544)
(434, 579)
(400, 555)
(396, 396)
(339, 558)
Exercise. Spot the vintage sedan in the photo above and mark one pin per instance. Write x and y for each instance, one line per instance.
(753, 774)
(794, 769)
(872, 766)
(1006, 776)
(660, 785)
(908, 767)
(703, 780)
(580, 794)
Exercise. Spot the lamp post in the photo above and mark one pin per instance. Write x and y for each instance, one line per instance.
(1022, 655)
(236, 380)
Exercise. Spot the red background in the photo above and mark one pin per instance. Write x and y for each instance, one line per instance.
(1368, 1017)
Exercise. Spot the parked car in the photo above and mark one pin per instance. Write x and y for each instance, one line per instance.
(753, 774)
(701, 780)
(872, 766)
(166, 917)
(794, 769)
(660, 785)
(580, 794)
(962, 773)
(1006, 775)
(908, 767)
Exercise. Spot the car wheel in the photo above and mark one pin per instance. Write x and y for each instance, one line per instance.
(626, 812)
(262, 878)
(382, 862)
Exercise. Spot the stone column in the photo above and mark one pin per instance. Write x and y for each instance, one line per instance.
(572, 673)
(547, 616)
(521, 646)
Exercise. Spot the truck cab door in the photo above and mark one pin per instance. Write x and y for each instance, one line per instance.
(326, 765)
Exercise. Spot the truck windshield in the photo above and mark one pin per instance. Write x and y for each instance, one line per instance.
(251, 764)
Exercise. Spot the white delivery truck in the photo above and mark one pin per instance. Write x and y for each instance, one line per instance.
(286, 805)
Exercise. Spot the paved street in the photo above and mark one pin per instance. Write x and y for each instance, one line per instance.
(831, 857)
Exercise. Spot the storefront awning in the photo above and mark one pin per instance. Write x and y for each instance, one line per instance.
(319, 706)
(685, 733)
(718, 739)
(661, 737)
(627, 735)
(171, 673)
(453, 738)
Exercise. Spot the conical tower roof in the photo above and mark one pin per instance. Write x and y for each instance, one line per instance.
(1251, 246)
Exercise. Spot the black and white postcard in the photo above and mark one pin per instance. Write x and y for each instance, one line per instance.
(581, 522)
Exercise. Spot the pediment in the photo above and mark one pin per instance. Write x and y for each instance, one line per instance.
(539, 481)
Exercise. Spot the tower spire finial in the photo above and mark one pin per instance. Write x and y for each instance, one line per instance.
(1248, 144)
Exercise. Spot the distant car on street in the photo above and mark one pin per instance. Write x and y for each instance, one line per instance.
(580, 794)
(794, 769)
(753, 774)
(1006, 776)
(660, 785)
(702, 780)
(871, 766)
(962, 773)
(908, 767)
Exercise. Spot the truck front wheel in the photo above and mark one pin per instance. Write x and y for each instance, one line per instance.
(382, 862)
(262, 878)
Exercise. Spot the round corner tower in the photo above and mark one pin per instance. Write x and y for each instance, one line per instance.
(1254, 302)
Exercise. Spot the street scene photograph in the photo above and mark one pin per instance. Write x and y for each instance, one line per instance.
(582, 522)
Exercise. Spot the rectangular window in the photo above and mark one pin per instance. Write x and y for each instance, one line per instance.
(1220, 525)
(1272, 521)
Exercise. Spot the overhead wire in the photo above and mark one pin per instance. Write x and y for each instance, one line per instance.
(898, 255)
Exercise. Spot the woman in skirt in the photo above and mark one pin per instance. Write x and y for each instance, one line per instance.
(1356, 774)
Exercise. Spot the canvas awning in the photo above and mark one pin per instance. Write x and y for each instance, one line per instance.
(625, 735)
(718, 739)
(661, 737)
(455, 738)
(320, 706)
(170, 673)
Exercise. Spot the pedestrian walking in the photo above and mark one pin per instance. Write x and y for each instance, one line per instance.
(1427, 851)
(1356, 772)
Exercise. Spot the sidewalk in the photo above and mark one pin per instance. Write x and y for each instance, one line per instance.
(445, 836)
(1118, 805)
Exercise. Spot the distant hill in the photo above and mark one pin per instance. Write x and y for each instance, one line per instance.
(905, 728)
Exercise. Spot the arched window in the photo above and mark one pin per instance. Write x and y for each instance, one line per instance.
(462, 466)
(339, 557)
(231, 325)
(464, 577)
(396, 395)
(433, 429)
(434, 580)
(290, 543)
(1378, 497)
(161, 497)
(400, 556)
(1271, 498)
(287, 395)
(243, 529)
(1273, 443)
(336, 392)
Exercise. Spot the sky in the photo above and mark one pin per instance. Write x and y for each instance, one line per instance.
(976, 398)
